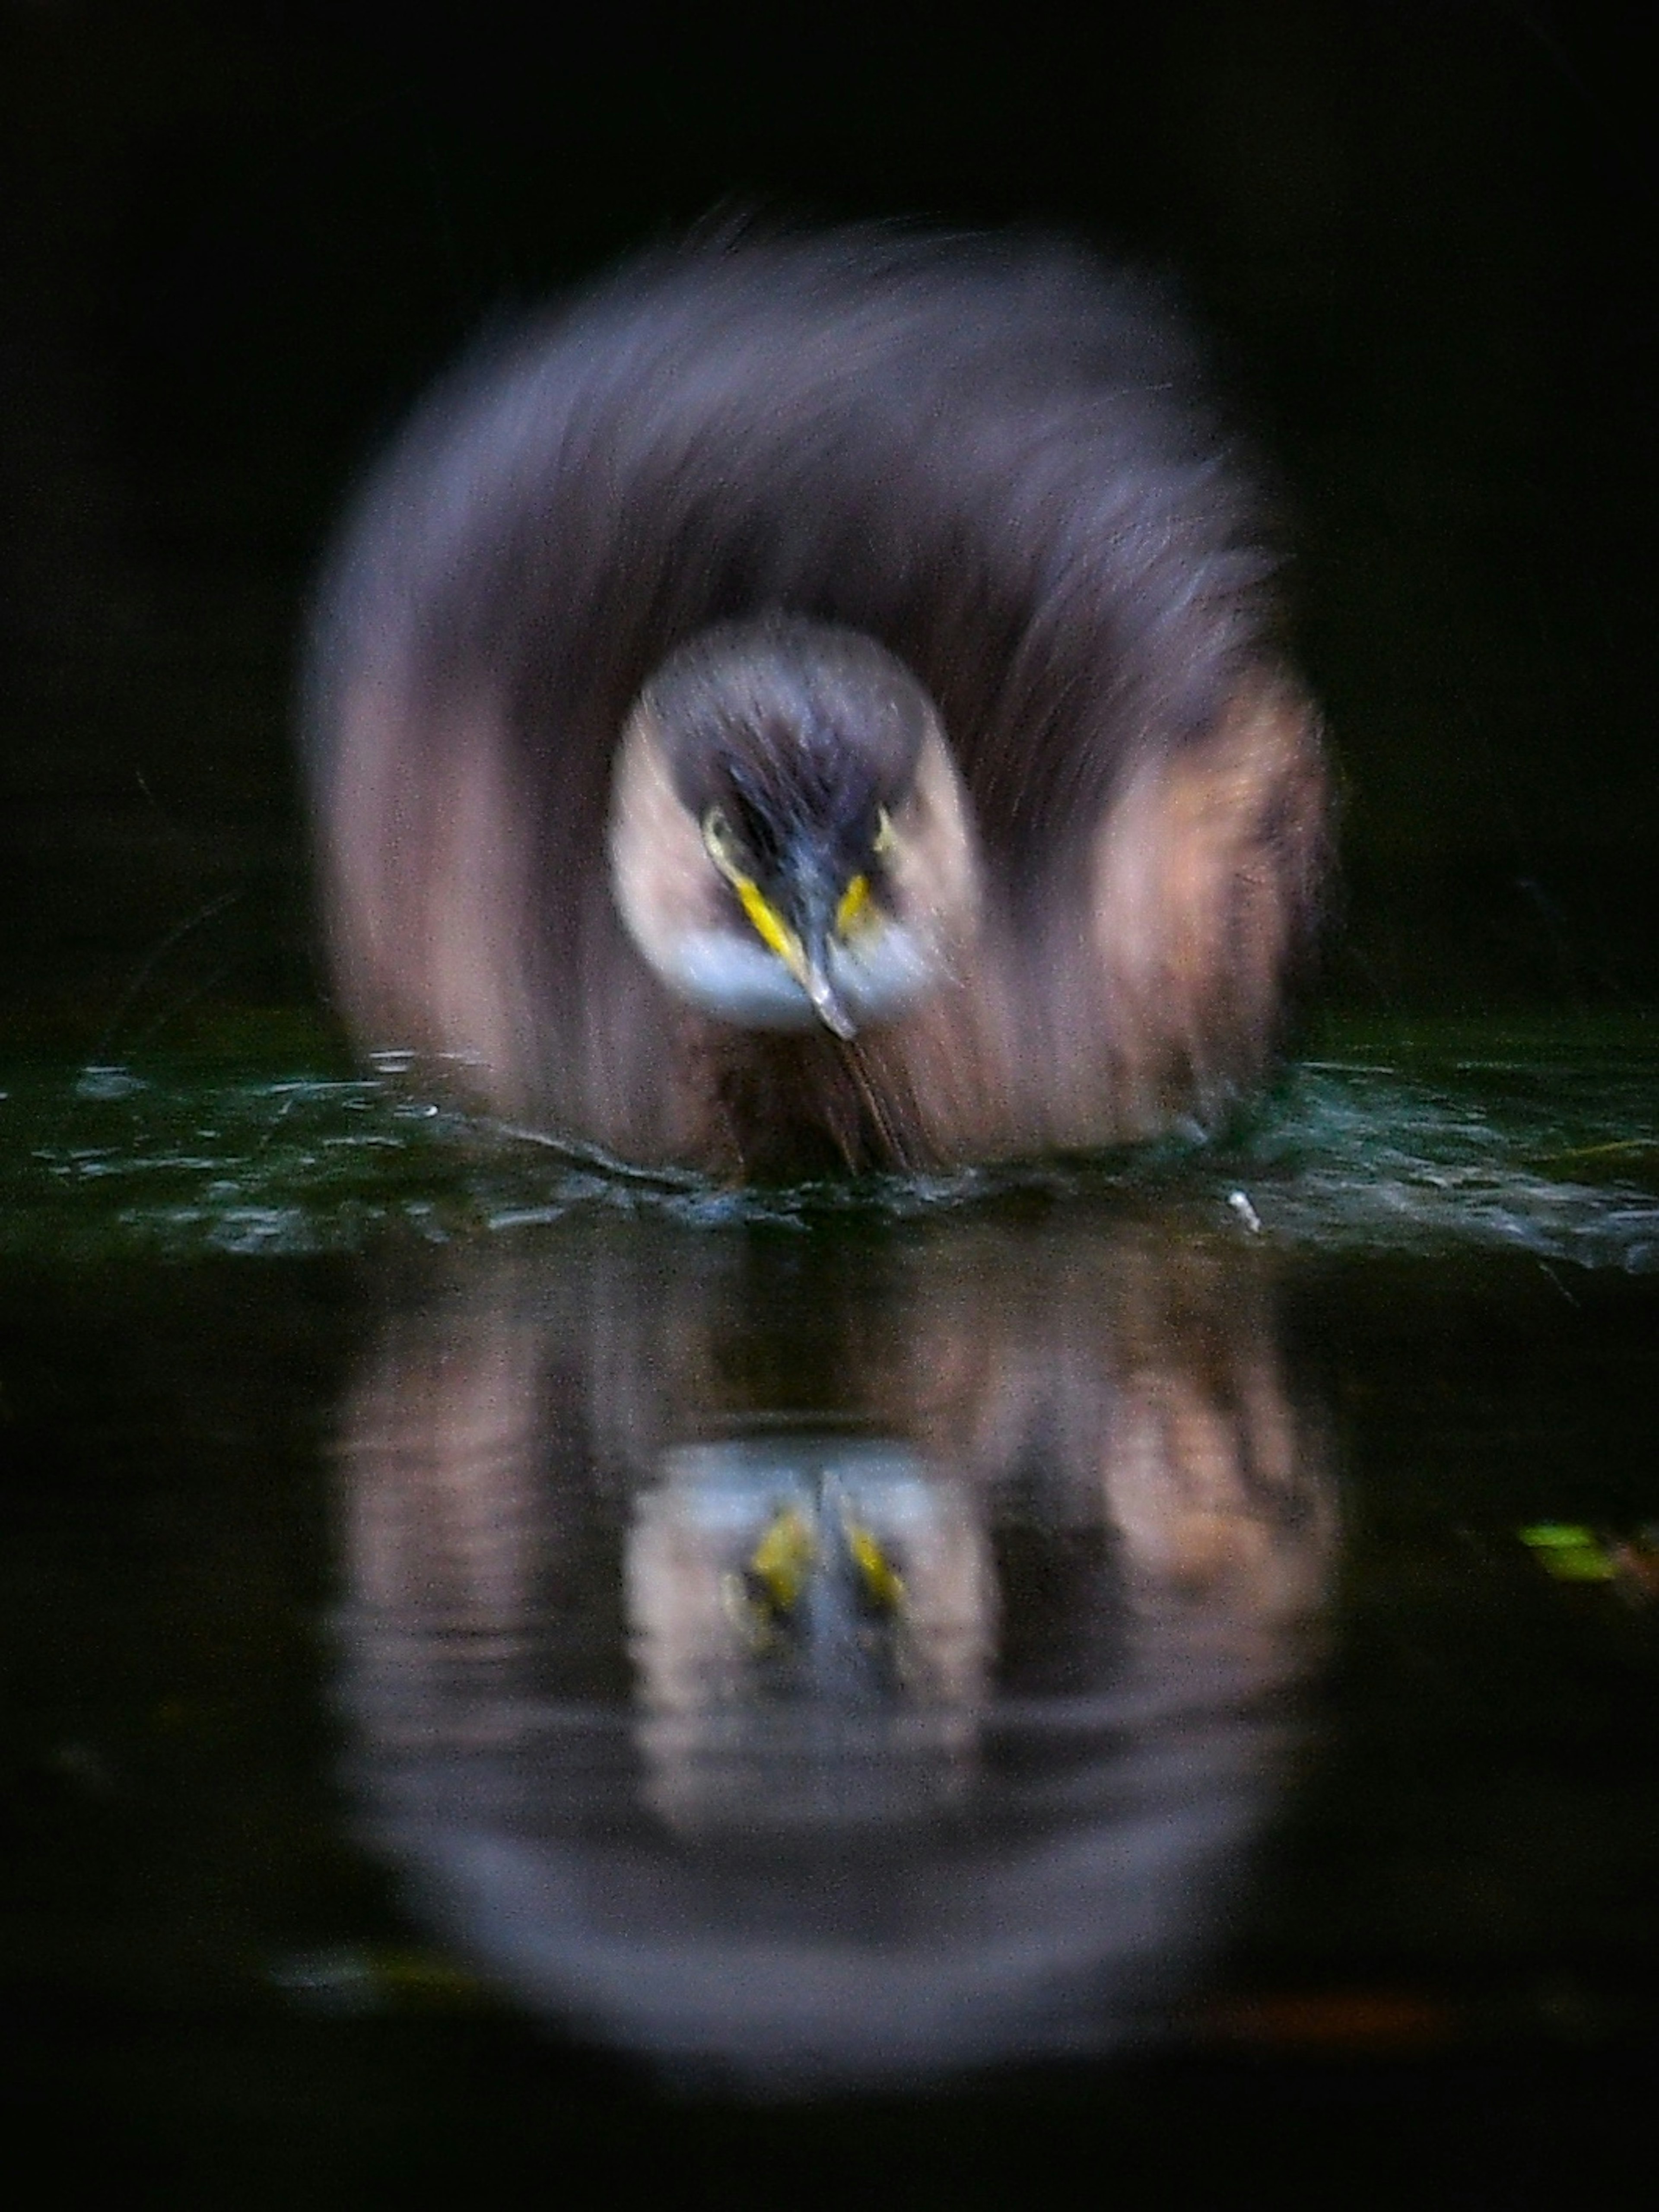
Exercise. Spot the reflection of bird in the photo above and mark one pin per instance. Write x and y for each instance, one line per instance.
(817, 699)
(957, 1660)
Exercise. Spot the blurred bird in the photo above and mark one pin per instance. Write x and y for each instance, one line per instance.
(816, 700)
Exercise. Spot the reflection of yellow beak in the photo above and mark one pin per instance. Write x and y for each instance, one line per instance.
(882, 1585)
(774, 1580)
(783, 1560)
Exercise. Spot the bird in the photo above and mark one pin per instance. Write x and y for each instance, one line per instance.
(818, 700)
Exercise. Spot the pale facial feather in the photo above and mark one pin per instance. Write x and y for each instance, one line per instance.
(679, 912)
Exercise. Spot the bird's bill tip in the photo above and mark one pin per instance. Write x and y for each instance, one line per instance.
(827, 1002)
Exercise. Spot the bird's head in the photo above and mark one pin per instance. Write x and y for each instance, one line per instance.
(790, 842)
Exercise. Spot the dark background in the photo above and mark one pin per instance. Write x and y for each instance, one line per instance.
(236, 240)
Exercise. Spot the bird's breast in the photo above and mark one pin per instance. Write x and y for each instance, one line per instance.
(877, 975)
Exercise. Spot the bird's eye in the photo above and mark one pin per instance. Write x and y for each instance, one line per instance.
(885, 835)
(721, 841)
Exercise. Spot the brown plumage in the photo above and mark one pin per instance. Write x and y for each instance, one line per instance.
(818, 699)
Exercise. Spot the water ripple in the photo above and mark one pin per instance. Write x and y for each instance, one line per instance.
(1555, 1153)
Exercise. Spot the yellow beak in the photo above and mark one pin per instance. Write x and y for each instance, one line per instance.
(804, 961)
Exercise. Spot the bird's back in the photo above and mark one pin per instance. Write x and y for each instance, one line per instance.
(990, 455)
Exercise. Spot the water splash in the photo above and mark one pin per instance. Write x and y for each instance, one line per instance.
(1551, 1150)
(1554, 1158)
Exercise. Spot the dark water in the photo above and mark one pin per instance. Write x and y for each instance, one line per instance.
(797, 1692)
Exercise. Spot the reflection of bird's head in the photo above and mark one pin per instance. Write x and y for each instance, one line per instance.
(790, 841)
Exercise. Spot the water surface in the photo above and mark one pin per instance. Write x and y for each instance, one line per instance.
(1177, 1610)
